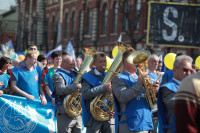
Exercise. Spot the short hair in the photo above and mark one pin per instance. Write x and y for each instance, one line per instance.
(180, 58)
(64, 53)
(101, 54)
(126, 54)
(4, 60)
(41, 58)
(56, 54)
(30, 45)
(152, 56)
(29, 54)
(179, 54)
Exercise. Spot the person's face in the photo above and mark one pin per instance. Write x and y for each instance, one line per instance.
(159, 66)
(153, 63)
(100, 63)
(7, 65)
(78, 62)
(33, 59)
(184, 69)
(68, 64)
(57, 61)
(44, 62)
(32, 48)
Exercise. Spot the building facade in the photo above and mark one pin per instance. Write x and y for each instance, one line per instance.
(95, 24)
(8, 25)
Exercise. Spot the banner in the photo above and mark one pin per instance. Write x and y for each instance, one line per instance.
(173, 24)
(20, 115)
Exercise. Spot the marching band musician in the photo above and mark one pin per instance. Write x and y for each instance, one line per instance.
(132, 112)
(90, 89)
(166, 94)
(63, 86)
(153, 62)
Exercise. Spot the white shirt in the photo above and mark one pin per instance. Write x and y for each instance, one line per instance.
(132, 75)
(97, 72)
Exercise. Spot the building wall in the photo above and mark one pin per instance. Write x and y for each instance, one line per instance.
(8, 26)
(96, 40)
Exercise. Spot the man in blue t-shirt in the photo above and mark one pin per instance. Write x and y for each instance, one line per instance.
(26, 79)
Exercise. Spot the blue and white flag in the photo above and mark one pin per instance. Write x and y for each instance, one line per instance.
(70, 50)
(20, 115)
(59, 48)
(120, 38)
(7, 49)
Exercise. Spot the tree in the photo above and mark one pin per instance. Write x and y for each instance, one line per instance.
(131, 21)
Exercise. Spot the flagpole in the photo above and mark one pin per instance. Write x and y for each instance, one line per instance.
(59, 35)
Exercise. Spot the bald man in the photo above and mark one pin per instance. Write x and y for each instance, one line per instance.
(63, 86)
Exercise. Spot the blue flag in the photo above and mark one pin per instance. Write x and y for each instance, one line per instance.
(59, 48)
(18, 114)
(164, 68)
(7, 48)
(70, 50)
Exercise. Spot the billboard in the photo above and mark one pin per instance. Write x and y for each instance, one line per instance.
(173, 24)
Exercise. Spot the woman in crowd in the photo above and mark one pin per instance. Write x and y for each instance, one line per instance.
(4, 75)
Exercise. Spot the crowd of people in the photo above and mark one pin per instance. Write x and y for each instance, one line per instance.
(178, 92)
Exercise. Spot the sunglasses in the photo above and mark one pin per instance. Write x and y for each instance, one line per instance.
(186, 70)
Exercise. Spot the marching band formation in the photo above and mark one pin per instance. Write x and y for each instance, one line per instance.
(132, 96)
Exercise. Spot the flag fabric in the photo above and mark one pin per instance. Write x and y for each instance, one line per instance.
(59, 48)
(20, 115)
(70, 50)
(120, 38)
(164, 68)
(8, 49)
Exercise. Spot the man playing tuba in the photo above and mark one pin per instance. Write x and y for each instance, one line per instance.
(92, 87)
(63, 86)
(133, 113)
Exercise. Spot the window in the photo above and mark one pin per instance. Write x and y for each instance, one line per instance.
(66, 26)
(105, 17)
(80, 24)
(115, 14)
(137, 14)
(125, 22)
(73, 24)
(89, 23)
(54, 30)
(47, 29)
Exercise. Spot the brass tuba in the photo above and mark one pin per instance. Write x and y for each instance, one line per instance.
(102, 105)
(72, 102)
(139, 58)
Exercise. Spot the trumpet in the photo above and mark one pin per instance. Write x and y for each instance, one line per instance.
(139, 58)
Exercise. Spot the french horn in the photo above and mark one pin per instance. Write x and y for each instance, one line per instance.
(102, 105)
(72, 102)
(139, 58)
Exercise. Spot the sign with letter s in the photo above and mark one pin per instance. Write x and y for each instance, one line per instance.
(173, 24)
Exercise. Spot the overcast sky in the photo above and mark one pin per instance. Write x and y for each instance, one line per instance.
(5, 4)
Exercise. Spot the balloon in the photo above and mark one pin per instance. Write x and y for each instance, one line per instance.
(21, 57)
(197, 62)
(108, 63)
(169, 60)
(114, 51)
